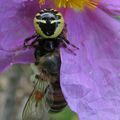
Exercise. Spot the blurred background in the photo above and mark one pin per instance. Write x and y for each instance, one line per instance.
(15, 88)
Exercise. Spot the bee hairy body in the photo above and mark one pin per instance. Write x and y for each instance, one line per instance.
(48, 66)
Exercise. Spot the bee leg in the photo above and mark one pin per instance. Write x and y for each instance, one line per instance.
(36, 74)
(34, 78)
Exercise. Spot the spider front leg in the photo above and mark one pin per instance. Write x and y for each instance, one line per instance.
(63, 37)
(65, 43)
(65, 40)
(65, 46)
(34, 39)
(29, 38)
(32, 44)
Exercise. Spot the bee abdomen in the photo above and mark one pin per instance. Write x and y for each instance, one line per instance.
(56, 100)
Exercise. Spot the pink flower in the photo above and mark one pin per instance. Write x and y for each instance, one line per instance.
(91, 80)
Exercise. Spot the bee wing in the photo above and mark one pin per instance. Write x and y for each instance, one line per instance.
(37, 109)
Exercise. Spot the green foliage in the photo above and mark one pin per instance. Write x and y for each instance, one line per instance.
(66, 114)
(118, 17)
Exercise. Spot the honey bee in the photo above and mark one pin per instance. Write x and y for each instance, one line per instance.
(50, 34)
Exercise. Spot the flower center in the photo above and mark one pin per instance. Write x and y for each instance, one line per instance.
(75, 4)
(41, 2)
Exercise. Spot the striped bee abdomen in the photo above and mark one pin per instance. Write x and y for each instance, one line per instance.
(49, 65)
(56, 100)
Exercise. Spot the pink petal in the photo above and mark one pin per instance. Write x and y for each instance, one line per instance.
(24, 56)
(112, 7)
(16, 24)
(90, 80)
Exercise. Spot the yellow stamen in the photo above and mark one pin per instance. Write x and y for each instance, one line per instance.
(41, 2)
(75, 4)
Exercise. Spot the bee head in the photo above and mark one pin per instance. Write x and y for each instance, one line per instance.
(49, 23)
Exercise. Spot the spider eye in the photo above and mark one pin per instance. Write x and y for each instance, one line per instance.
(44, 18)
(52, 18)
(38, 17)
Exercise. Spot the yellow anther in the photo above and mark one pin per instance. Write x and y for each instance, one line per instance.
(41, 2)
(75, 4)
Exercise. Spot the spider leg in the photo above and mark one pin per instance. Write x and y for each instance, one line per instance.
(63, 36)
(65, 46)
(32, 45)
(34, 36)
(65, 40)
(31, 37)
